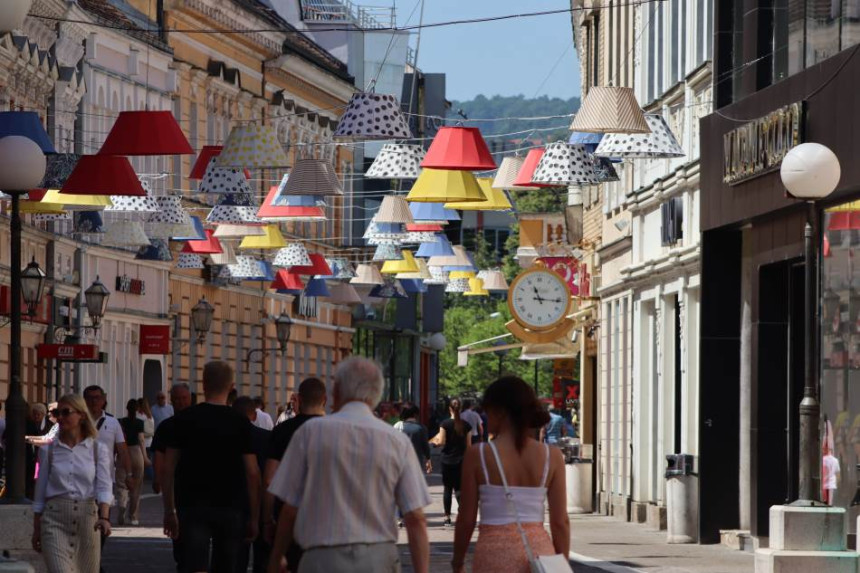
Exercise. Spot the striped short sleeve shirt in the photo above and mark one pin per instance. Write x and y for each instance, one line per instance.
(347, 474)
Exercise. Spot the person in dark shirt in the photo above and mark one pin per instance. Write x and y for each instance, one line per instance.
(417, 433)
(210, 477)
(129, 497)
(311, 404)
(455, 436)
(260, 439)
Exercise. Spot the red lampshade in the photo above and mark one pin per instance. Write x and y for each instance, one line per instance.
(103, 175)
(459, 148)
(286, 280)
(208, 246)
(284, 212)
(318, 267)
(146, 133)
(524, 177)
(422, 228)
(203, 159)
(839, 221)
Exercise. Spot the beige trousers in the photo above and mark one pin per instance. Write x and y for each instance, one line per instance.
(70, 542)
(130, 498)
(358, 558)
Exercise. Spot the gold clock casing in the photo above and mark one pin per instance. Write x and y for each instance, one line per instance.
(526, 332)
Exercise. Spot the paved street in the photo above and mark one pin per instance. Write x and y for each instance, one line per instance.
(600, 544)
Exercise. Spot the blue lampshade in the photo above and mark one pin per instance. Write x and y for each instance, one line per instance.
(300, 201)
(389, 227)
(157, 250)
(413, 285)
(267, 273)
(89, 222)
(27, 124)
(316, 287)
(441, 247)
(199, 233)
(432, 212)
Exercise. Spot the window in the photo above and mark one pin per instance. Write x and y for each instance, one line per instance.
(672, 215)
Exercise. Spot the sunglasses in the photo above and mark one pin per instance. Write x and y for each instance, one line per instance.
(57, 412)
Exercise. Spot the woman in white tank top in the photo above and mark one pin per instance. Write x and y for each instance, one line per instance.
(534, 473)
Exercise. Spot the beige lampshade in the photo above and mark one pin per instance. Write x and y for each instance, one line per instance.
(230, 231)
(367, 275)
(394, 209)
(458, 259)
(125, 234)
(313, 177)
(610, 110)
(438, 276)
(226, 257)
(507, 172)
(342, 293)
(190, 261)
(252, 145)
(495, 281)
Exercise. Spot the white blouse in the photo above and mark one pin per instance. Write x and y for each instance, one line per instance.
(73, 473)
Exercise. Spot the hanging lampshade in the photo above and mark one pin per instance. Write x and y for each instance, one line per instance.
(445, 186)
(318, 266)
(394, 209)
(433, 213)
(438, 276)
(461, 275)
(170, 219)
(243, 268)
(524, 177)
(476, 288)
(340, 267)
(313, 177)
(406, 265)
(76, 202)
(88, 222)
(440, 247)
(103, 175)
(285, 280)
(302, 201)
(234, 209)
(230, 231)
(275, 208)
(293, 255)
(134, 204)
(418, 237)
(413, 286)
(49, 217)
(190, 261)
(424, 227)
(126, 234)
(204, 159)
(389, 289)
(610, 109)
(199, 233)
(58, 167)
(387, 252)
(208, 246)
(316, 287)
(458, 147)
(660, 142)
(341, 293)
(371, 115)
(422, 273)
(146, 133)
(26, 124)
(265, 273)
(589, 140)
(565, 164)
(495, 281)
(497, 199)
(397, 161)
(227, 257)
(507, 172)
(252, 145)
(156, 250)
(377, 233)
(367, 275)
(273, 239)
(457, 286)
(224, 180)
(459, 261)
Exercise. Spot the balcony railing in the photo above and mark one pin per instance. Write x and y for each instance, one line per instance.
(346, 11)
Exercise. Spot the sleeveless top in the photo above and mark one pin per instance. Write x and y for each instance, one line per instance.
(529, 501)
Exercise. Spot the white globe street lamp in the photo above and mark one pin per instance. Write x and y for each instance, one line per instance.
(810, 171)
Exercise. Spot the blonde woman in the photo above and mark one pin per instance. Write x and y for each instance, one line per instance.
(128, 494)
(144, 414)
(73, 493)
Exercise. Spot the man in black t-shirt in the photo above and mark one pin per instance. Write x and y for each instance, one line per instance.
(311, 403)
(210, 477)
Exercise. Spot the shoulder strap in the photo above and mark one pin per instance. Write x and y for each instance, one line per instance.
(484, 464)
(545, 467)
(510, 497)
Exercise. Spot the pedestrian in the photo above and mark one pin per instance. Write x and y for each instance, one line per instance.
(180, 399)
(471, 417)
(260, 440)
(279, 415)
(144, 414)
(129, 496)
(552, 432)
(455, 435)
(210, 474)
(534, 471)
(417, 434)
(162, 410)
(341, 481)
(311, 399)
(38, 425)
(73, 493)
(263, 420)
(480, 411)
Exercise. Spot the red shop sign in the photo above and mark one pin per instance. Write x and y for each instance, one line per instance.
(68, 352)
(154, 339)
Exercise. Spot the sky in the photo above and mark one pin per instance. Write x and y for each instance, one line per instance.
(506, 57)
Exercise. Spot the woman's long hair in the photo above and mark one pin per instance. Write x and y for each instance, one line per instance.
(75, 402)
(459, 425)
(143, 406)
(512, 397)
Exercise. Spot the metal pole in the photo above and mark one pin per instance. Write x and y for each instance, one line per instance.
(16, 406)
(536, 378)
(810, 449)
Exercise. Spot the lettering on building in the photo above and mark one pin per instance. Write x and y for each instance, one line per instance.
(129, 285)
(759, 146)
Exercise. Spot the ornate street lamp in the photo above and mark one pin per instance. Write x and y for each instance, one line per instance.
(810, 171)
(32, 286)
(97, 299)
(283, 326)
(201, 317)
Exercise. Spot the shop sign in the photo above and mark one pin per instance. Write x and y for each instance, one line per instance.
(759, 146)
(68, 352)
(43, 311)
(570, 270)
(565, 393)
(129, 285)
(154, 339)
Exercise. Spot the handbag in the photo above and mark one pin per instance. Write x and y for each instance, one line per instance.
(540, 563)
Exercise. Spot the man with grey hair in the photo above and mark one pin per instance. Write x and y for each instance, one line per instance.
(343, 477)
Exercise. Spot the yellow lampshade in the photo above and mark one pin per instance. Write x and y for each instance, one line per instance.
(77, 202)
(476, 288)
(273, 239)
(40, 208)
(496, 199)
(462, 275)
(445, 186)
(406, 265)
(423, 272)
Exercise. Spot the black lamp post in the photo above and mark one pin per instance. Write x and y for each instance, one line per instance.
(32, 286)
(283, 329)
(201, 317)
(96, 298)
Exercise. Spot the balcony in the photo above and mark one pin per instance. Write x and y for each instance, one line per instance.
(347, 12)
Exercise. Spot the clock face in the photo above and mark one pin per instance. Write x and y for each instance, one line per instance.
(539, 299)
